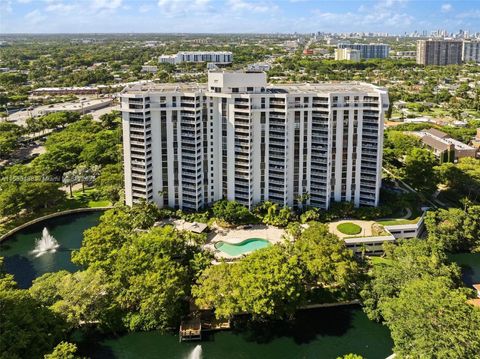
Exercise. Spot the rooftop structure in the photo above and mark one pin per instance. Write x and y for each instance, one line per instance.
(240, 138)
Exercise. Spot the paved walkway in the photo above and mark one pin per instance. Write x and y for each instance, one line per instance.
(365, 225)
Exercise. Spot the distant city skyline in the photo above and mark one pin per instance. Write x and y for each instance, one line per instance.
(237, 16)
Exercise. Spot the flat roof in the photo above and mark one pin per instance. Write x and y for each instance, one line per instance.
(326, 87)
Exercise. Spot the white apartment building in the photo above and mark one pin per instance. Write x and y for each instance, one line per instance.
(368, 51)
(239, 138)
(217, 57)
(347, 54)
(471, 51)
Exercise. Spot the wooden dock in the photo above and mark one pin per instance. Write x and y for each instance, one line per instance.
(192, 329)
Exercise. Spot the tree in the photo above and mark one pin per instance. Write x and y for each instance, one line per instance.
(10, 135)
(350, 356)
(419, 170)
(29, 329)
(81, 298)
(409, 260)
(455, 229)
(267, 283)
(326, 261)
(430, 319)
(111, 120)
(231, 212)
(151, 279)
(101, 243)
(69, 178)
(110, 181)
(63, 350)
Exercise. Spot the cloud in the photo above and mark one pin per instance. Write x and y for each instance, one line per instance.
(59, 6)
(106, 4)
(446, 8)
(5, 6)
(182, 7)
(144, 8)
(469, 15)
(35, 17)
(242, 5)
(24, 1)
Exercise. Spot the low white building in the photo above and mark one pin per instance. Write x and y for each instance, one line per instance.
(217, 57)
(150, 69)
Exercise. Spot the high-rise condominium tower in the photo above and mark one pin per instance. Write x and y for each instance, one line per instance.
(439, 52)
(239, 138)
(471, 51)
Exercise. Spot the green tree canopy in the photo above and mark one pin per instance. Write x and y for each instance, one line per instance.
(409, 260)
(267, 283)
(430, 319)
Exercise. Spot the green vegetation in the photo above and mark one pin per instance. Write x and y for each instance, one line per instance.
(28, 329)
(456, 230)
(416, 292)
(273, 282)
(417, 319)
(84, 152)
(349, 228)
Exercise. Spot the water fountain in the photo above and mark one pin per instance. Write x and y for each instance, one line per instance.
(45, 244)
(196, 353)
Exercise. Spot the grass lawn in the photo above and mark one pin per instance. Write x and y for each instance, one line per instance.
(376, 261)
(414, 218)
(349, 228)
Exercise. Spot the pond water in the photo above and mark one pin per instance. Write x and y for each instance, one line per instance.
(316, 333)
(470, 264)
(67, 231)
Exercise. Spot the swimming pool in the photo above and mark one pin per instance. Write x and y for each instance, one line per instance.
(247, 246)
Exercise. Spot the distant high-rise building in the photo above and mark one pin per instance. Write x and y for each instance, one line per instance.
(471, 51)
(240, 138)
(439, 52)
(368, 51)
(347, 54)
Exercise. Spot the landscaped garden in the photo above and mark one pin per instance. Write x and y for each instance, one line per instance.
(349, 228)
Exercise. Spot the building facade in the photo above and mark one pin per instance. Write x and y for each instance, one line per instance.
(217, 57)
(239, 138)
(347, 54)
(471, 51)
(369, 51)
(439, 52)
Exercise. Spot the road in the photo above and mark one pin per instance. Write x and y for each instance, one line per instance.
(21, 117)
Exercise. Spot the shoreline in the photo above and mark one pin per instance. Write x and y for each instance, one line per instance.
(49, 216)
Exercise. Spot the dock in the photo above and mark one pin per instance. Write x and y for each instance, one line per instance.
(192, 329)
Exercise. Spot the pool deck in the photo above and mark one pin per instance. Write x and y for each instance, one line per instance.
(237, 235)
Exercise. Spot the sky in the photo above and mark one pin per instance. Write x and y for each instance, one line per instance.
(237, 16)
